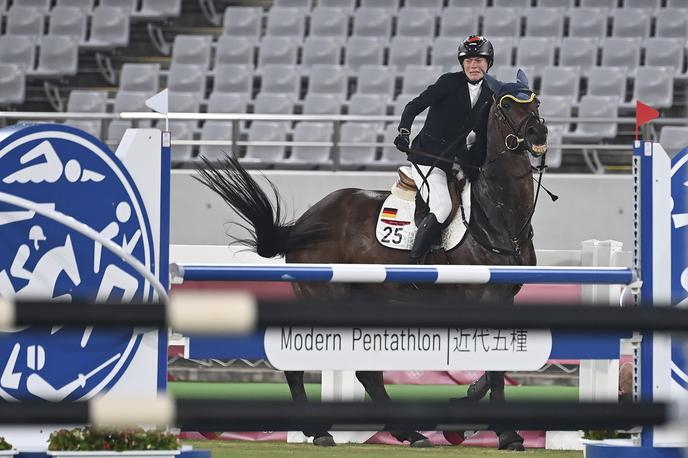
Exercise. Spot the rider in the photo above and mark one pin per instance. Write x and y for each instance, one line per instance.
(455, 127)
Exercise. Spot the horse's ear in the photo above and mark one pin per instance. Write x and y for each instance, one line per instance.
(522, 78)
(494, 84)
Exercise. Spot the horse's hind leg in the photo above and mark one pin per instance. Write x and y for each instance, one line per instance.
(374, 385)
(298, 393)
(508, 438)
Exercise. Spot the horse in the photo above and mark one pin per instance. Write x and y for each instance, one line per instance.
(499, 231)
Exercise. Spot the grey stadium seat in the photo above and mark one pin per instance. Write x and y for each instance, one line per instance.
(85, 5)
(553, 158)
(363, 51)
(187, 78)
(545, 22)
(235, 50)
(265, 155)
(181, 130)
(266, 103)
(225, 102)
(555, 3)
(215, 131)
(322, 104)
(356, 157)
(578, 52)
(592, 106)
(665, 52)
(281, 79)
(374, 79)
(607, 4)
(507, 73)
(521, 4)
(588, 22)
(677, 3)
(19, 50)
(654, 86)
(630, 22)
(432, 5)
(57, 56)
(443, 53)
(561, 81)
(286, 22)
(621, 52)
(129, 6)
(673, 138)
(368, 105)
(87, 102)
(390, 5)
(372, 22)
(405, 51)
(24, 20)
(555, 106)
(115, 131)
(109, 28)
(68, 20)
(192, 50)
(476, 4)
(42, 5)
(650, 5)
(311, 156)
(329, 22)
(401, 101)
(321, 50)
(159, 9)
(241, 21)
(348, 5)
(416, 22)
(458, 22)
(391, 156)
(503, 48)
(535, 51)
(233, 78)
(502, 22)
(131, 101)
(418, 78)
(12, 84)
(140, 77)
(328, 79)
(184, 102)
(303, 4)
(277, 50)
(671, 22)
(608, 81)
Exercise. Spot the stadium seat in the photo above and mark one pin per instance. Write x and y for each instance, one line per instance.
(277, 50)
(226, 102)
(390, 5)
(286, 22)
(12, 84)
(417, 78)
(405, 51)
(673, 139)
(545, 22)
(358, 157)
(458, 22)
(648, 5)
(607, 4)
(215, 131)
(84, 5)
(234, 78)
(322, 104)
(670, 23)
(502, 22)
(302, 4)
(267, 103)
(374, 79)
(555, 3)
(553, 158)
(621, 52)
(129, 6)
(608, 81)
(159, 9)
(192, 50)
(24, 20)
(391, 156)
(578, 52)
(561, 81)
(630, 22)
(676, 4)
(555, 106)
(181, 130)
(588, 22)
(87, 102)
(235, 50)
(41, 5)
(503, 48)
(535, 51)
(184, 102)
(140, 77)
(401, 101)
(329, 22)
(328, 79)
(310, 156)
(363, 50)
(57, 56)
(242, 21)
(109, 28)
(348, 5)
(520, 4)
(665, 52)
(187, 78)
(131, 101)
(321, 50)
(507, 73)
(474, 4)
(264, 156)
(281, 79)
(443, 53)
(372, 22)
(654, 86)
(593, 106)
(368, 105)
(115, 131)
(69, 21)
(431, 5)
(416, 22)
(19, 50)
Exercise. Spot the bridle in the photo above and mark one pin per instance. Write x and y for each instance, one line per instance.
(516, 138)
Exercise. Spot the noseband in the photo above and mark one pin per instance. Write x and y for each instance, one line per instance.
(515, 139)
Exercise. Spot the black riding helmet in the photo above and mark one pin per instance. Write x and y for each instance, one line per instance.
(476, 46)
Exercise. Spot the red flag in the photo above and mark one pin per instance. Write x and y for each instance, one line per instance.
(643, 114)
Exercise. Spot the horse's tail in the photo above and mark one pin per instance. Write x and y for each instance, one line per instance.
(270, 234)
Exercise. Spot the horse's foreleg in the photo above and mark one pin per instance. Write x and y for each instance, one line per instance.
(508, 438)
(375, 387)
(298, 393)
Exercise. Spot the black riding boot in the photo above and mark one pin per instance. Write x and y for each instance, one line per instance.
(428, 231)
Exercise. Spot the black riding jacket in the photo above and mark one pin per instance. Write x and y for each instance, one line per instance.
(450, 116)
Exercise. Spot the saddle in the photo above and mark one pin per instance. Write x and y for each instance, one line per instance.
(456, 183)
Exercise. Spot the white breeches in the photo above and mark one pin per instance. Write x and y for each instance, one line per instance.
(440, 201)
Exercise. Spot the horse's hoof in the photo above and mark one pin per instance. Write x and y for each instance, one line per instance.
(324, 441)
(454, 437)
(422, 443)
(515, 447)
(511, 440)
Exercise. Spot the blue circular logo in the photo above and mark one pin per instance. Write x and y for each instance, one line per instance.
(679, 256)
(60, 169)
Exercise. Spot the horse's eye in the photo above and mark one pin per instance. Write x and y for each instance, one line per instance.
(506, 105)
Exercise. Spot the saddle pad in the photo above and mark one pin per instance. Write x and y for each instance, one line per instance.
(396, 227)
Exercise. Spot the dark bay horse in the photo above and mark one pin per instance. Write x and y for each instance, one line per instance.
(499, 232)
